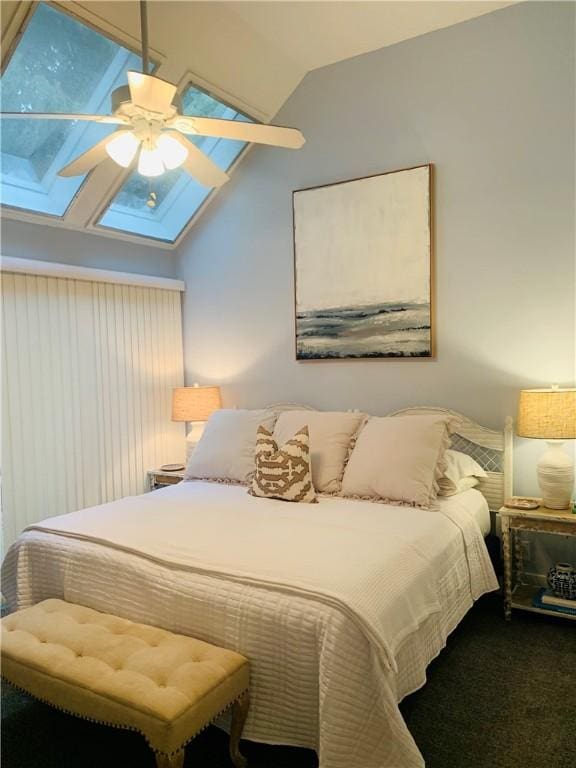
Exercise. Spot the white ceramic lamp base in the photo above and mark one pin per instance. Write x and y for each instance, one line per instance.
(193, 437)
(555, 476)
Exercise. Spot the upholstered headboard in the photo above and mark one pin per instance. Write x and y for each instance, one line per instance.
(491, 449)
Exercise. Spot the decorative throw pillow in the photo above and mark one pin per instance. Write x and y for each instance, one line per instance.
(330, 436)
(398, 459)
(283, 473)
(226, 449)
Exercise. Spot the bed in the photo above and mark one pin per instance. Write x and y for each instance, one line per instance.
(337, 635)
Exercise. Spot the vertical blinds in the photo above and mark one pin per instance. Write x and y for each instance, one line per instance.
(88, 370)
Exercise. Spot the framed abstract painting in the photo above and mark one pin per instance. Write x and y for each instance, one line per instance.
(363, 268)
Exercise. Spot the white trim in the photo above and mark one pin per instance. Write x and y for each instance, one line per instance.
(229, 99)
(48, 220)
(91, 274)
(108, 29)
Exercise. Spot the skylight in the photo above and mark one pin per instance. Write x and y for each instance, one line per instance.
(59, 65)
(161, 207)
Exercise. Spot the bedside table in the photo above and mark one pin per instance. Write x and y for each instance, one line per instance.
(541, 520)
(159, 478)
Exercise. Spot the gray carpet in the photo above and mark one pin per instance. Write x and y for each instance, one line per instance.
(499, 696)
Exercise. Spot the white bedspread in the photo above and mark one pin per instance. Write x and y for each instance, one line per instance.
(326, 600)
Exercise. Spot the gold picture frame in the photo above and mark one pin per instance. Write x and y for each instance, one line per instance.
(364, 268)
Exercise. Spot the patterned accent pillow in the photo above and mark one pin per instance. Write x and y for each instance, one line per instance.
(283, 472)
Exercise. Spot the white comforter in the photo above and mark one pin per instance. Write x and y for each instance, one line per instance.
(339, 606)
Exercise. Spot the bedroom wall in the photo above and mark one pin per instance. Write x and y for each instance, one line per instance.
(491, 103)
(47, 243)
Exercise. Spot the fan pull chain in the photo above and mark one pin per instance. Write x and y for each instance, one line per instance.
(152, 196)
(152, 199)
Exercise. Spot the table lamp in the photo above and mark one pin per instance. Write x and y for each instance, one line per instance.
(194, 404)
(550, 414)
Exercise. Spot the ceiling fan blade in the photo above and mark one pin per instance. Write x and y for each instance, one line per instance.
(275, 135)
(111, 119)
(87, 160)
(151, 93)
(199, 165)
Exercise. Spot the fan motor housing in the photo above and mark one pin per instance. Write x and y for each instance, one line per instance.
(121, 99)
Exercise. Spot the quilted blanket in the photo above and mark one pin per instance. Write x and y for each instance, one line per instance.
(328, 601)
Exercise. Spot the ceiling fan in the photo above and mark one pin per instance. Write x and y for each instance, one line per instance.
(148, 113)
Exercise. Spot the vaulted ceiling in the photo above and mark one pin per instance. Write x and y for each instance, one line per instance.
(258, 52)
(251, 55)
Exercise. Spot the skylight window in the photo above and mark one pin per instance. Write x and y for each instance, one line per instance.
(161, 207)
(59, 65)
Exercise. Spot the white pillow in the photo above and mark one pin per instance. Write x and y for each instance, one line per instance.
(458, 466)
(330, 434)
(398, 459)
(464, 484)
(226, 449)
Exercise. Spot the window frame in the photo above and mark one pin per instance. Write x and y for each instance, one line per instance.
(188, 80)
(63, 157)
(15, 31)
(85, 210)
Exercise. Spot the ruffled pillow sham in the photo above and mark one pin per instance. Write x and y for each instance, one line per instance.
(226, 449)
(330, 435)
(398, 459)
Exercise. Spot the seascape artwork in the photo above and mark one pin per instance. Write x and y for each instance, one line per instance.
(362, 252)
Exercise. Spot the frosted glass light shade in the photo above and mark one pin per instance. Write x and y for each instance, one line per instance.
(122, 147)
(150, 162)
(548, 414)
(172, 152)
(195, 403)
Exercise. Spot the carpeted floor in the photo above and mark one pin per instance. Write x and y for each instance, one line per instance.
(499, 696)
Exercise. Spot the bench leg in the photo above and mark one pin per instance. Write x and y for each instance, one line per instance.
(170, 761)
(239, 712)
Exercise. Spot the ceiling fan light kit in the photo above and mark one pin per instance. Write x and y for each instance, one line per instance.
(172, 152)
(159, 151)
(148, 112)
(150, 163)
(122, 147)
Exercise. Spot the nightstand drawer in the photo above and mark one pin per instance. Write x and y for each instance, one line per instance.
(158, 478)
(543, 526)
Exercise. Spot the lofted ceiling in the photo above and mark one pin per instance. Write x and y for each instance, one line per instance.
(316, 34)
(250, 54)
(258, 52)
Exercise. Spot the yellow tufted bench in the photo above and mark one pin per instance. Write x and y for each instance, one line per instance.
(113, 671)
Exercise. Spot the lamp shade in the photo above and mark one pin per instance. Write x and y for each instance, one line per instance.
(549, 414)
(195, 403)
